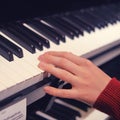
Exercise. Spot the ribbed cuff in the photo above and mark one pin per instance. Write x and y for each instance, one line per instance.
(109, 100)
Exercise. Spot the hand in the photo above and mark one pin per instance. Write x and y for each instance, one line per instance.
(87, 80)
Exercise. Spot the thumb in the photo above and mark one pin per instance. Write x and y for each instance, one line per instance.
(64, 93)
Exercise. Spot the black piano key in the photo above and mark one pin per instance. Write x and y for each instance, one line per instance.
(78, 23)
(115, 10)
(68, 28)
(58, 115)
(74, 24)
(20, 39)
(58, 27)
(31, 116)
(66, 110)
(28, 37)
(91, 19)
(44, 31)
(104, 16)
(78, 104)
(54, 32)
(102, 22)
(93, 11)
(11, 46)
(66, 24)
(112, 67)
(86, 20)
(7, 54)
(98, 20)
(33, 35)
(61, 36)
(109, 13)
(63, 112)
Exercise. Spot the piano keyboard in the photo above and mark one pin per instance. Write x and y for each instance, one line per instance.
(93, 33)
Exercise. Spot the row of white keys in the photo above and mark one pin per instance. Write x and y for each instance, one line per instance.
(27, 74)
(25, 63)
(9, 79)
(13, 77)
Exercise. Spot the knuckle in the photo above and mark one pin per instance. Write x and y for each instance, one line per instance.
(63, 61)
(87, 62)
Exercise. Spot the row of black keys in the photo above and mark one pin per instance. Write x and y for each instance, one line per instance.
(57, 110)
(70, 24)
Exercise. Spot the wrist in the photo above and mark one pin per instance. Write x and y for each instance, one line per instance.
(109, 97)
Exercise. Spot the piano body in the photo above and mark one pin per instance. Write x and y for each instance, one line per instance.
(86, 28)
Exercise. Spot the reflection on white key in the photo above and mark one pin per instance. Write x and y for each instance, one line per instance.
(44, 115)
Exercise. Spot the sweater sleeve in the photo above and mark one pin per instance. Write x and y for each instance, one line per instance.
(109, 100)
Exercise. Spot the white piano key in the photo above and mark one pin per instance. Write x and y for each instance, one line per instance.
(6, 80)
(16, 77)
(2, 87)
(18, 68)
(17, 84)
(27, 61)
(96, 115)
(21, 71)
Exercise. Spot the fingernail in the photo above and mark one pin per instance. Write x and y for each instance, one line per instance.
(40, 57)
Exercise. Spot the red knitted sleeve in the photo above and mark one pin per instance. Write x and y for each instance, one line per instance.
(109, 100)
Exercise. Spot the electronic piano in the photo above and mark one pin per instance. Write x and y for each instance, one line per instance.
(90, 29)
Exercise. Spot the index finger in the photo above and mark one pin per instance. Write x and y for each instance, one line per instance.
(68, 55)
(59, 72)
